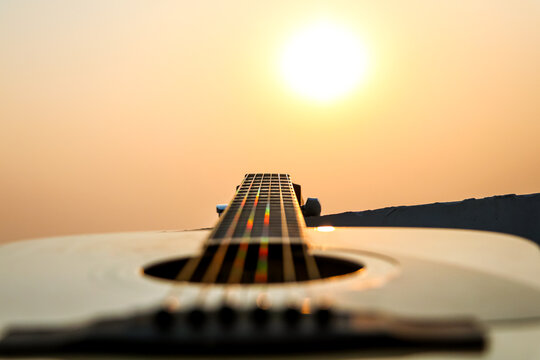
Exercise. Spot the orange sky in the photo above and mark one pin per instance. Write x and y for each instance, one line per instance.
(133, 115)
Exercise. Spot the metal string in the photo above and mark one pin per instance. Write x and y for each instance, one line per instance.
(238, 265)
(311, 265)
(215, 265)
(261, 272)
(288, 262)
(187, 271)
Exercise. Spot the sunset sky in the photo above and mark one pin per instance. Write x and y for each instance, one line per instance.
(143, 115)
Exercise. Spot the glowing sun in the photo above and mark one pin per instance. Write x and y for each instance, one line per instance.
(324, 62)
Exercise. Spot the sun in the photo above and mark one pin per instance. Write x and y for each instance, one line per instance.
(324, 62)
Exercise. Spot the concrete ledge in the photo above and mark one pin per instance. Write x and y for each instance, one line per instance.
(512, 214)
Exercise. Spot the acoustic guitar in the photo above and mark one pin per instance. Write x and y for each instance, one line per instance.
(261, 283)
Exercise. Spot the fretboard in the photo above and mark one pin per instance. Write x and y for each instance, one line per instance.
(264, 206)
(258, 239)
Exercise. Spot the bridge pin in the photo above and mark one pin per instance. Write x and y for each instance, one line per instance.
(164, 319)
(292, 316)
(227, 315)
(196, 318)
(323, 316)
(260, 316)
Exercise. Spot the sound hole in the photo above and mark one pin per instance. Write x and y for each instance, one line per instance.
(327, 266)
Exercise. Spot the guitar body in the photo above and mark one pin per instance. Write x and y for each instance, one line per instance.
(411, 273)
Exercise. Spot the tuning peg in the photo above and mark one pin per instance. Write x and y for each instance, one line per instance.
(220, 208)
(312, 207)
(164, 319)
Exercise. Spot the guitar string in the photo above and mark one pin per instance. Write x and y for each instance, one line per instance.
(262, 300)
(261, 272)
(213, 269)
(295, 298)
(202, 293)
(288, 262)
(188, 270)
(238, 264)
(311, 265)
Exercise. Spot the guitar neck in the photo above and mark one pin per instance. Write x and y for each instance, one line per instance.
(264, 208)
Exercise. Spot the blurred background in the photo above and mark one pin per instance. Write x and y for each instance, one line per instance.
(142, 115)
